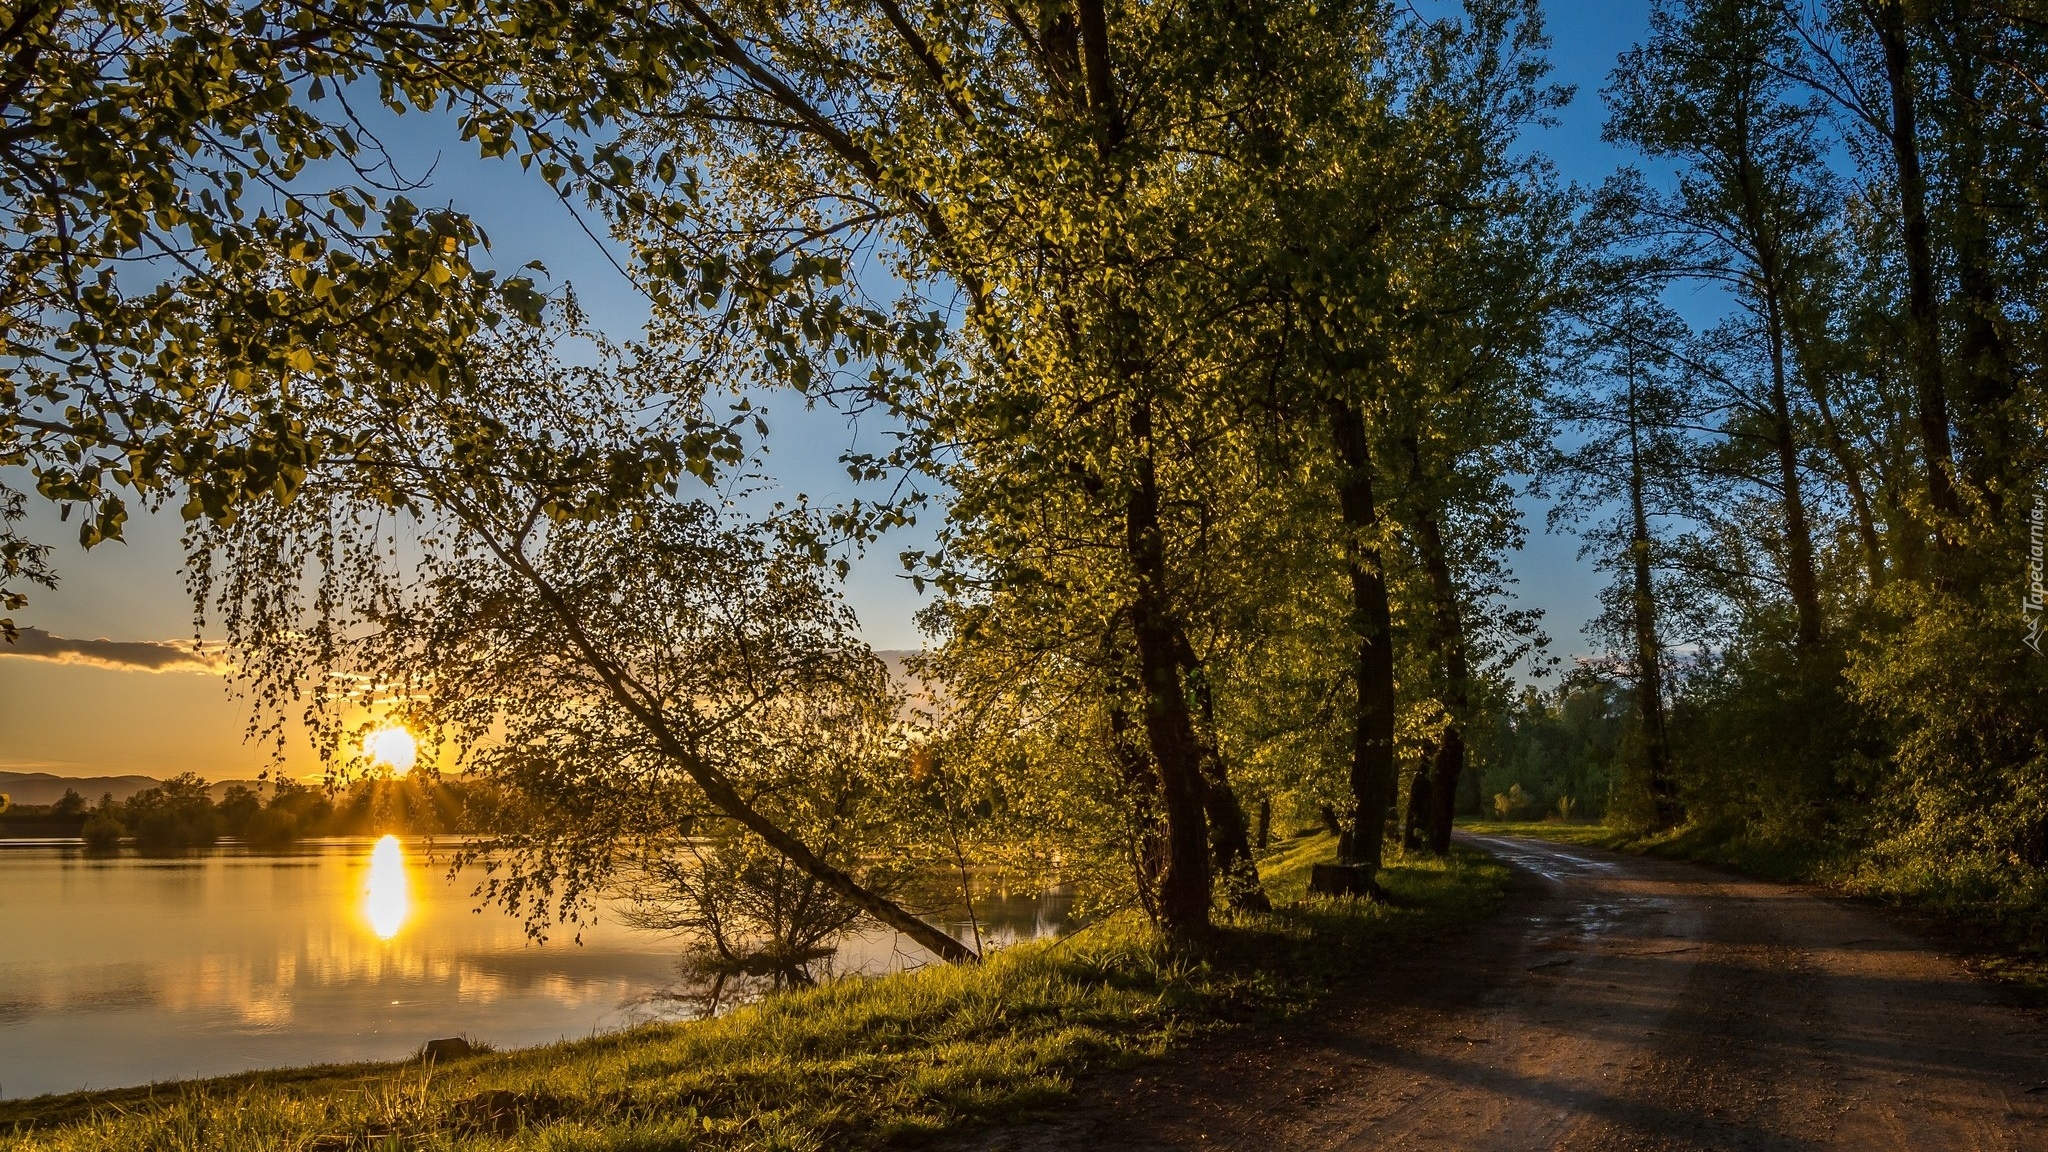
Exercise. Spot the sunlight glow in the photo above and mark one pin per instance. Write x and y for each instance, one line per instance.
(392, 747)
(388, 900)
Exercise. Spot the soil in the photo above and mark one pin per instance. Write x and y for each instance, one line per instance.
(1618, 1002)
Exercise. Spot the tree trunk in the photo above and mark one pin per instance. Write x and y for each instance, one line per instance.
(1649, 649)
(1852, 478)
(1767, 249)
(1373, 769)
(1184, 889)
(1147, 837)
(1923, 326)
(1265, 823)
(1230, 844)
(1447, 618)
(1184, 885)
(717, 787)
(1987, 385)
(1800, 574)
(1415, 824)
(1449, 771)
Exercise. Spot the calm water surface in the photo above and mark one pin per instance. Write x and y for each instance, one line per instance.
(124, 971)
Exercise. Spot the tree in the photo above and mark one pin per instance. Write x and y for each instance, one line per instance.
(1636, 467)
(69, 806)
(1708, 90)
(1407, 273)
(622, 660)
(174, 816)
(103, 830)
(204, 237)
(1059, 170)
(1485, 262)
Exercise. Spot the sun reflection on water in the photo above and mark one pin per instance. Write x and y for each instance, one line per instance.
(387, 901)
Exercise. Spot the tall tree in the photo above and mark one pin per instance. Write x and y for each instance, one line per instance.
(1056, 169)
(1635, 468)
(1708, 90)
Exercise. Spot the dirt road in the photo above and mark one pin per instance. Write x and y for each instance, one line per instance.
(1618, 1003)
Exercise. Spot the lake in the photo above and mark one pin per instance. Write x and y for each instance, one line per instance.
(123, 971)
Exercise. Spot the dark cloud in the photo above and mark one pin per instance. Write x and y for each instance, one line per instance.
(134, 655)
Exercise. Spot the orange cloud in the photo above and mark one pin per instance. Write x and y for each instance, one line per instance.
(132, 655)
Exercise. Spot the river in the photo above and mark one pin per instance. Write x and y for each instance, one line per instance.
(124, 971)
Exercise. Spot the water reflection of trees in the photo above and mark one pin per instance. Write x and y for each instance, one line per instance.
(752, 922)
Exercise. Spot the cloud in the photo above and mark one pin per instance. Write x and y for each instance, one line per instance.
(129, 655)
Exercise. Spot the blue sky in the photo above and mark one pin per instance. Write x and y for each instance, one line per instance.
(133, 591)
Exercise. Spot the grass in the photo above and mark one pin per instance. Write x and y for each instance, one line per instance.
(1751, 857)
(856, 1063)
(1990, 934)
(1688, 843)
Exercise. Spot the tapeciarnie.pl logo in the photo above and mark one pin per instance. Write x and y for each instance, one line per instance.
(2037, 574)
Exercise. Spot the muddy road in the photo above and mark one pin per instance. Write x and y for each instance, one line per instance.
(1617, 1003)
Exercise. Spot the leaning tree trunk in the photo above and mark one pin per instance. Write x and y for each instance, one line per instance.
(718, 788)
(1852, 479)
(1801, 575)
(1373, 770)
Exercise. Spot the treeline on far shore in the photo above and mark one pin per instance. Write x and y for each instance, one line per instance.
(181, 814)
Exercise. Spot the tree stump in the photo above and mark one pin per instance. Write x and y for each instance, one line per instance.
(1343, 880)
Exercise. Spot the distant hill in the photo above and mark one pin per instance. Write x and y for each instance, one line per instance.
(43, 788)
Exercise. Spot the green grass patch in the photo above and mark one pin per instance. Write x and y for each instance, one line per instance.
(1700, 845)
(855, 1063)
(1560, 831)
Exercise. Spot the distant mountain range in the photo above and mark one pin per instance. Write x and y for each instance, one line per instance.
(43, 788)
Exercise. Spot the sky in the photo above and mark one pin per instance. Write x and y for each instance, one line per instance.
(98, 690)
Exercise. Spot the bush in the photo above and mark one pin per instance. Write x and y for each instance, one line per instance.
(174, 816)
(274, 827)
(102, 832)
(170, 830)
(1511, 804)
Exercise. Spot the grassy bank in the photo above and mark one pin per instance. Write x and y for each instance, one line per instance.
(2001, 934)
(1698, 845)
(854, 1063)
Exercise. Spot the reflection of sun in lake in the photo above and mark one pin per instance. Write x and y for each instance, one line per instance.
(392, 747)
(387, 901)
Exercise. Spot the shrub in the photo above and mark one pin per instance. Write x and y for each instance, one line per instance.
(102, 832)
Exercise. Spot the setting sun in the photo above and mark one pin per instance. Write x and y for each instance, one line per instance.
(392, 747)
